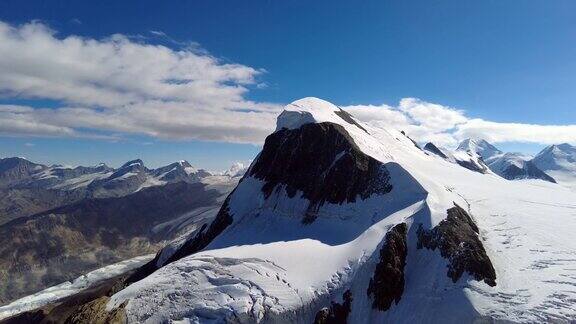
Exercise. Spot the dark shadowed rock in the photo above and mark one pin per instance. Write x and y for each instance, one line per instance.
(30, 317)
(387, 284)
(336, 313)
(321, 161)
(430, 147)
(457, 239)
(472, 166)
(348, 118)
(528, 171)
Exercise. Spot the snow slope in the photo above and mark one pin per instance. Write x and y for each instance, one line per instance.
(274, 264)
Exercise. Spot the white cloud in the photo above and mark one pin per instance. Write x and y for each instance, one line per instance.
(446, 126)
(431, 116)
(514, 132)
(119, 85)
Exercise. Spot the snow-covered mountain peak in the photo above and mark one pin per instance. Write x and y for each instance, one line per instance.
(237, 169)
(565, 147)
(133, 163)
(313, 110)
(563, 151)
(480, 147)
(559, 161)
(557, 157)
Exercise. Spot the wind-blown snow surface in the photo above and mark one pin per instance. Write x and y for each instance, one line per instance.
(52, 294)
(268, 266)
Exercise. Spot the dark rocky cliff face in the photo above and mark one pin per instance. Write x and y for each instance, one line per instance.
(472, 166)
(321, 161)
(457, 239)
(387, 284)
(336, 313)
(430, 147)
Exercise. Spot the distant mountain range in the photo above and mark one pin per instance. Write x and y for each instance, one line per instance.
(27, 187)
(59, 222)
(555, 163)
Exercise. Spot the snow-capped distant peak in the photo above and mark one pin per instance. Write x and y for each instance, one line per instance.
(559, 161)
(480, 147)
(132, 163)
(313, 110)
(237, 169)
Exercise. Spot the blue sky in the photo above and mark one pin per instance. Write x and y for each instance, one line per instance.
(496, 61)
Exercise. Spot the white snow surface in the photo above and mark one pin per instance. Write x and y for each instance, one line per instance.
(68, 288)
(269, 267)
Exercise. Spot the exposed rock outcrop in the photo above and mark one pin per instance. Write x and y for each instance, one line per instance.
(457, 239)
(349, 119)
(326, 153)
(430, 147)
(473, 165)
(387, 284)
(336, 313)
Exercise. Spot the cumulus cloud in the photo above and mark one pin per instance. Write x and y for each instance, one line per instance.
(119, 85)
(514, 132)
(446, 126)
(423, 121)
